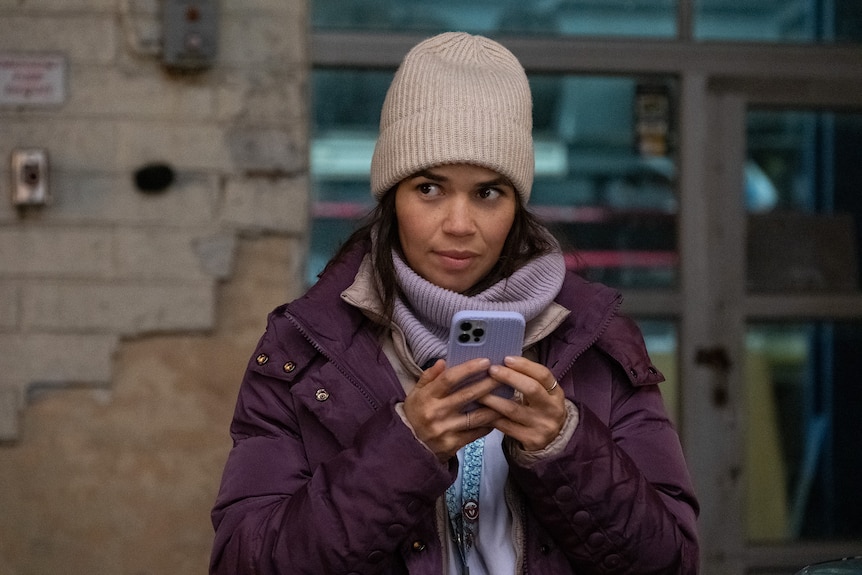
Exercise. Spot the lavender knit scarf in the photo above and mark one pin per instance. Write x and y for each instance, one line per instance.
(427, 309)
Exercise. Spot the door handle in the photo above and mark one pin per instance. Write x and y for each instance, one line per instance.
(717, 359)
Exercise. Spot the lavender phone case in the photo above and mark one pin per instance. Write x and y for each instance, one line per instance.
(491, 334)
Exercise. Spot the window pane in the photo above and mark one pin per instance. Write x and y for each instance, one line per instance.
(605, 173)
(803, 459)
(643, 18)
(799, 21)
(604, 169)
(346, 108)
(802, 188)
(803, 181)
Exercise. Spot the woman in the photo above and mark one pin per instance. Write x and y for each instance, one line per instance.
(352, 449)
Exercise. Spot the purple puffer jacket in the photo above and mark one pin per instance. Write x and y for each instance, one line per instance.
(324, 477)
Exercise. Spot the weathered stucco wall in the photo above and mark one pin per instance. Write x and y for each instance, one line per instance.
(120, 479)
(126, 318)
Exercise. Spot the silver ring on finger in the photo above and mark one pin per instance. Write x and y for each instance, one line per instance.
(552, 388)
(469, 427)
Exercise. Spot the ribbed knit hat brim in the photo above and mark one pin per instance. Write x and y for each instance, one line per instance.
(456, 98)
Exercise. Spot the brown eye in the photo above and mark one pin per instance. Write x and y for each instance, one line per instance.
(490, 193)
(428, 189)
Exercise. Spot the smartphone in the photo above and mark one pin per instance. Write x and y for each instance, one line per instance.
(490, 334)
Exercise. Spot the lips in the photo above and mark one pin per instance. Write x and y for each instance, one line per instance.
(455, 259)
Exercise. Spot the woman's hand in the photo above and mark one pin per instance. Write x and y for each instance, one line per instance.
(536, 420)
(436, 412)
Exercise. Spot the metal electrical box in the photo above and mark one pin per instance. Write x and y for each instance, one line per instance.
(30, 177)
(190, 34)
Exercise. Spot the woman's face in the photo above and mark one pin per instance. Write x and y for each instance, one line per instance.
(453, 221)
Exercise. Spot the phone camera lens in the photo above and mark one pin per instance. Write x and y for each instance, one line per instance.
(466, 326)
(464, 337)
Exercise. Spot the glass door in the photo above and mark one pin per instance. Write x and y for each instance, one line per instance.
(771, 324)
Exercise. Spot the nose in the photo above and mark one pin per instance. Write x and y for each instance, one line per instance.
(458, 219)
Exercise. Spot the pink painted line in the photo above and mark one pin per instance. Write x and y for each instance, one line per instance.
(562, 214)
(340, 210)
(590, 259)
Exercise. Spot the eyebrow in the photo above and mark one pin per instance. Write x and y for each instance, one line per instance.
(432, 175)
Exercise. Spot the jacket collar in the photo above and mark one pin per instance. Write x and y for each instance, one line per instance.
(593, 318)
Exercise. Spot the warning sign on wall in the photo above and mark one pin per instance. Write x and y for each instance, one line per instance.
(32, 79)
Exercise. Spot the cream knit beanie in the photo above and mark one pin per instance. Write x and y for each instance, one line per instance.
(456, 98)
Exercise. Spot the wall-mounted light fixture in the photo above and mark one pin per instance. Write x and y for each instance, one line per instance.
(190, 34)
(30, 177)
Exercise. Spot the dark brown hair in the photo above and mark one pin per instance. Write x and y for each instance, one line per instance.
(527, 240)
